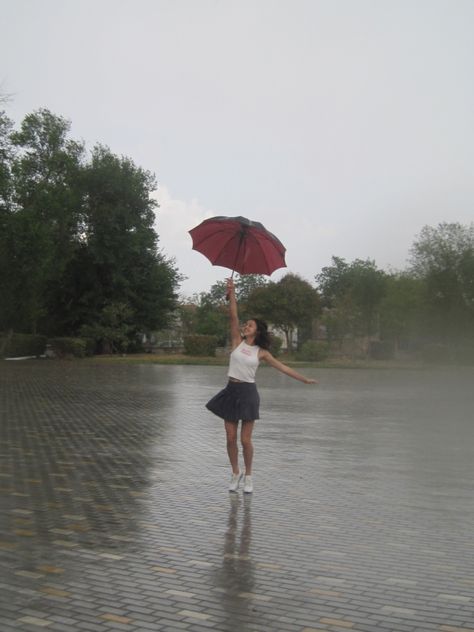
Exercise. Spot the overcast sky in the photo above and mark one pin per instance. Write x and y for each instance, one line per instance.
(344, 126)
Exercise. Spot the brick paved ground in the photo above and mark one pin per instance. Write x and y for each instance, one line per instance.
(115, 514)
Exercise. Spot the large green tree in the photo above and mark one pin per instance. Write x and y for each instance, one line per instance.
(443, 257)
(77, 242)
(352, 294)
(6, 159)
(37, 168)
(7, 281)
(44, 225)
(119, 257)
(289, 304)
(402, 308)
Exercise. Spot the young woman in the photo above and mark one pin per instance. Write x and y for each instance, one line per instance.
(239, 400)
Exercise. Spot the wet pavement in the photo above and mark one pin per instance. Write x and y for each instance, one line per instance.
(115, 513)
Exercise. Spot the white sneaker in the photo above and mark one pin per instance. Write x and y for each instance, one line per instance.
(248, 485)
(235, 482)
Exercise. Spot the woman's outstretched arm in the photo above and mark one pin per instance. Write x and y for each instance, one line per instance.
(276, 364)
(235, 336)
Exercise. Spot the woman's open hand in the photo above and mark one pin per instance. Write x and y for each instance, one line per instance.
(311, 381)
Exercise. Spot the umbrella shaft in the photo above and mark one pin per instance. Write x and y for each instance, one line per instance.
(241, 241)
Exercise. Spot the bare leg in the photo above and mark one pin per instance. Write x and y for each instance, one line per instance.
(246, 439)
(232, 447)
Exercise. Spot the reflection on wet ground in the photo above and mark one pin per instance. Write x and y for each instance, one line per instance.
(234, 580)
(115, 512)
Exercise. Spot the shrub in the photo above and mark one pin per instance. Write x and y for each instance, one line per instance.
(381, 350)
(313, 351)
(91, 346)
(18, 345)
(200, 345)
(64, 347)
(137, 346)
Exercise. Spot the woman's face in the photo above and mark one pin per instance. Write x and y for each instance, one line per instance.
(249, 328)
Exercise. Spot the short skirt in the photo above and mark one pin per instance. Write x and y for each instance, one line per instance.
(237, 401)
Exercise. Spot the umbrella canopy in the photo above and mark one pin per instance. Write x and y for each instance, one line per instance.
(239, 244)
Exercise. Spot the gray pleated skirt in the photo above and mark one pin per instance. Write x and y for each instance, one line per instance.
(237, 401)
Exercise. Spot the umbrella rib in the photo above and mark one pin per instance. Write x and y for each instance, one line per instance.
(211, 238)
(262, 250)
(206, 238)
(242, 238)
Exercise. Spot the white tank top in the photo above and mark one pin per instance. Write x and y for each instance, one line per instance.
(244, 362)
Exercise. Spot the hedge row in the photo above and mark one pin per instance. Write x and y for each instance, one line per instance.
(76, 347)
(21, 345)
(313, 351)
(200, 345)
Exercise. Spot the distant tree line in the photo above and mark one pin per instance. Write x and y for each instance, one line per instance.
(79, 257)
(429, 307)
(78, 252)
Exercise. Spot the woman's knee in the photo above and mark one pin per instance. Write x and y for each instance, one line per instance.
(246, 442)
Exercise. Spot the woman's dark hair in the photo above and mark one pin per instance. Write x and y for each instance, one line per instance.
(262, 339)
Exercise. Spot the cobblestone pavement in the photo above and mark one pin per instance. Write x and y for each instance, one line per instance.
(115, 513)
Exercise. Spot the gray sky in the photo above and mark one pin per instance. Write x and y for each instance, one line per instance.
(344, 126)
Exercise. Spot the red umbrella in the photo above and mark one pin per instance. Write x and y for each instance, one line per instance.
(239, 244)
